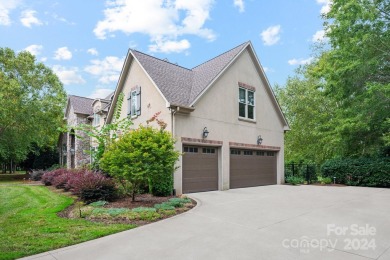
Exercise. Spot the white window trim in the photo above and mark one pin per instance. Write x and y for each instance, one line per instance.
(133, 108)
(247, 105)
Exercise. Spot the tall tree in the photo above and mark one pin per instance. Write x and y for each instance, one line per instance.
(357, 71)
(32, 101)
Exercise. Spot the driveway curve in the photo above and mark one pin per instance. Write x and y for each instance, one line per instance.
(269, 222)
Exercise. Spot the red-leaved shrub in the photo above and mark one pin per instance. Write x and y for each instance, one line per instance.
(48, 177)
(92, 186)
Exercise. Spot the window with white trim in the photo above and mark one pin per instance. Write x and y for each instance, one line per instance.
(134, 102)
(246, 103)
(96, 119)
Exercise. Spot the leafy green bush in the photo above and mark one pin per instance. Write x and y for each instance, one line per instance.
(143, 156)
(324, 180)
(143, 209)
(294, 180)
(371, 172)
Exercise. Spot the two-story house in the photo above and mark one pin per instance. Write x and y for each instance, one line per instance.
(223, 114)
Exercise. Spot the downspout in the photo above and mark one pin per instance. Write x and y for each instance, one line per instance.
(173, 112)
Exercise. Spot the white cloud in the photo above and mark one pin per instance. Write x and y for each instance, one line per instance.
(325, 5)
(68, 75)
(240, 5)
(34, 49)
(165, 20)
(62, 19)
(300, 61)
(93, 51)
(319, 36)
(170, 46)
(101, 93)
(271, 35)
(62, 53)
(28, 18)
(6, 6)
(107, 69)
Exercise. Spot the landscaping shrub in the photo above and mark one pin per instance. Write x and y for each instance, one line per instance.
(143, 209)
(48, 177)
(36, 175)
(371, 172)
(62, 181)
(164, 206)
(294, 180)
(143, 156)
(92, 186)
(324, 180)
(99, 203)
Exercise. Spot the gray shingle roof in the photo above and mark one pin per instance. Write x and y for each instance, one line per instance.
(180, 85)
(81, 105)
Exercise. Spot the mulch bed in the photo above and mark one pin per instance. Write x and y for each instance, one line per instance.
(142, 200)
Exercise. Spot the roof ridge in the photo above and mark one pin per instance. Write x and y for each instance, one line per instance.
(166, 61)
(81, 97)
(219, 55)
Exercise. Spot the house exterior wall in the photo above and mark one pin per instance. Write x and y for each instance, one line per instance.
(152, 101)
(218, 111)
(82, 143)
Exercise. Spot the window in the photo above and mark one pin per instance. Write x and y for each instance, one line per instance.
(260, 153)
(96, 119)
(235, 151)
(246, 103)
(134, 102)
(270, 153)
(248, 153)
(190, 149)
(208, 150)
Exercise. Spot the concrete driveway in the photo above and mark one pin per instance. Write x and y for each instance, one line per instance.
(270, 222)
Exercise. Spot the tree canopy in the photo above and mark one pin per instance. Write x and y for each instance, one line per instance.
(339, 105)
(32, 103)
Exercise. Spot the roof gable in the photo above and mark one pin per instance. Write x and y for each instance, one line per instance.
(181, 86)
(81, 105)
(205, 73)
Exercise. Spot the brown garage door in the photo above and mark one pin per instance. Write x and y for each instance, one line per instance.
(200, 169)
(250, 168)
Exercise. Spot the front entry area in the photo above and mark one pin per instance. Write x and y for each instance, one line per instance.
(200, 169)
(249, 168)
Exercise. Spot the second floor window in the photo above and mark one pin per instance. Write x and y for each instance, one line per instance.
(246, 103)
(96, 119)
(134, 102)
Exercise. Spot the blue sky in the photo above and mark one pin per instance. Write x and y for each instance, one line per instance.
(85, 42)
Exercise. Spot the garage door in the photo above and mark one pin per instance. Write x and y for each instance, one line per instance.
(249, 168)
(200, 169)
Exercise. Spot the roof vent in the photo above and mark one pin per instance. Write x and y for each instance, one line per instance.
(166, 59)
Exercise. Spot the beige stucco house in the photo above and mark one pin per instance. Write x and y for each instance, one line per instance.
(223, 114)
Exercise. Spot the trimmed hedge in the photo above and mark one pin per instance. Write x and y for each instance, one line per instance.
(371, 172)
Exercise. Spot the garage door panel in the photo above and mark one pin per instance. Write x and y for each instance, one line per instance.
(252, 169)
(200, 170)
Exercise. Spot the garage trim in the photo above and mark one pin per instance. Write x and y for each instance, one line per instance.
(253, 146)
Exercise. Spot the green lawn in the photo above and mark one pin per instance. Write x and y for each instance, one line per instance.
(29, 224)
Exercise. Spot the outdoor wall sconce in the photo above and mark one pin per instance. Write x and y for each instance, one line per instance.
(205, 132)
(259, 140)
(72, 152)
